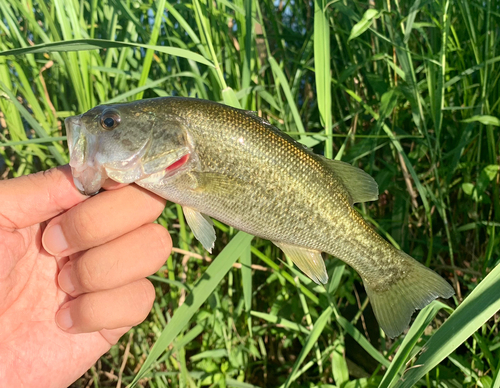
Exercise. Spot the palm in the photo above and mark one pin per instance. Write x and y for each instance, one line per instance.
(71, 265)
(32, 300)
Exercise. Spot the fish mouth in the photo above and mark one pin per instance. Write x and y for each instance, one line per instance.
(87, 173)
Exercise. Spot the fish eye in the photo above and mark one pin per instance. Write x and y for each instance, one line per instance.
(110, 120)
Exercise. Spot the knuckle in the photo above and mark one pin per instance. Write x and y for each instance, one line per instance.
(162, 243)
(81, 226)
(88, 317)
(84, 275)
(145, 297)
(151, 203)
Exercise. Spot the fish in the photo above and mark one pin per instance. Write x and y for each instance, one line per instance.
(229, 164)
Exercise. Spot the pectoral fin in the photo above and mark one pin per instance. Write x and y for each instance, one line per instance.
(202, 227)
(210, 182)
(309, 261)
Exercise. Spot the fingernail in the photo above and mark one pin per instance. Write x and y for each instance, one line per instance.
(63, 319)
(64, 279)
(54, 241)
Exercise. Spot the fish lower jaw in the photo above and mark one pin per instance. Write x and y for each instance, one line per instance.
(88, 181)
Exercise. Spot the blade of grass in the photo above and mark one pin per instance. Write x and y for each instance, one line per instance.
(56, 149)
(316, 331)
(246, 279)
(94, 44)
(322, 70)
(399, 361)
(200, 293)
(148, 59)
(476, 309)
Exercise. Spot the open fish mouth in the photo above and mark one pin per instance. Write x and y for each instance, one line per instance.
(87, 173)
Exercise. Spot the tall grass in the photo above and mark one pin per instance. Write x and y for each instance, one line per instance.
(406, 90)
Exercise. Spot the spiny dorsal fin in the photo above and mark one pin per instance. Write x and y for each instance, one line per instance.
(361, 186)
(202, 227)
(309, 261)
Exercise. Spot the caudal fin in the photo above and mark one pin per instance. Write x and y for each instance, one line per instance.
(394, 306)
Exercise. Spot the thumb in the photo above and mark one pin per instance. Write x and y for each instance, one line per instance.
(35, 198)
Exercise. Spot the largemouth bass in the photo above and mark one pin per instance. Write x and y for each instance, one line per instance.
(229, 164)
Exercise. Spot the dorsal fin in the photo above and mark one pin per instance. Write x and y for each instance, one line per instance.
(361, 186)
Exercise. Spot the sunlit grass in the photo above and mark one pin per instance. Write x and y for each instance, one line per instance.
(408, 91)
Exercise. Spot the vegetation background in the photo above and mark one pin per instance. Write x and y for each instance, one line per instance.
(407, 90)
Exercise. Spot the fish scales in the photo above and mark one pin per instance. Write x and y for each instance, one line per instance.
(312, 198)
(246, 173)
(281, 178)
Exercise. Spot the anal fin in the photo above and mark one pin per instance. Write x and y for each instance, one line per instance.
(202, 227)
(309, 261)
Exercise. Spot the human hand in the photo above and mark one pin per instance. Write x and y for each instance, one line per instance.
(72, 274)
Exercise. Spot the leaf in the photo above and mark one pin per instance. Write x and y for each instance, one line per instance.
(280, 321)
(410, 23)
(484, 119)
(416, 331)
(339, 366)
(230, 98)
(40, 131)
(322, 70)
(203, 289)
(362, 341)
(491, 171)
(364, 23)
(388, 102)
(468, 188)
(319, 325)
(95, 44)
(482, 303)
(246, 280)
(278, 73)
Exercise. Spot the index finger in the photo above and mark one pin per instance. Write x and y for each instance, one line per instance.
(35, 198)
(100, 219)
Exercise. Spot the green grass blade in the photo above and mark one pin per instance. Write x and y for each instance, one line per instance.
(475, 310)
(246, 280)
(399, 361)
(322, 70)
(200, 293)
(229, 97)
(34, 141)
(94, 44)
(278, 73)
(319, 325)
(149, 85)
(281, 321)
(55, 150)
(148, 59)
(339, 366)
(362, 341)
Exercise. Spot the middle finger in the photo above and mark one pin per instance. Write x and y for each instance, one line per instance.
(124, 260)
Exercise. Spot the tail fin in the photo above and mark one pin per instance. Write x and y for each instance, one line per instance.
(394, 307)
